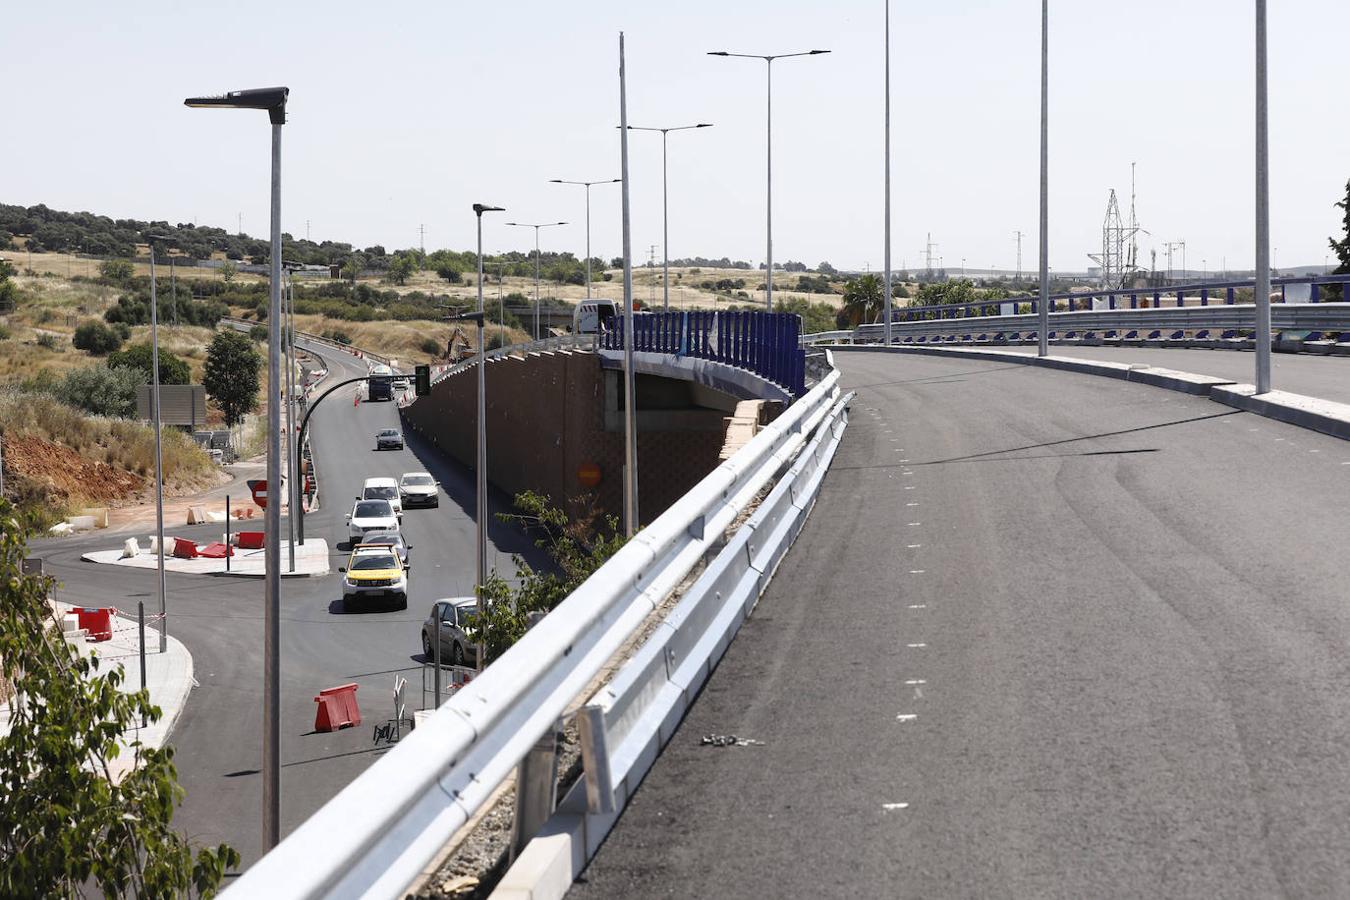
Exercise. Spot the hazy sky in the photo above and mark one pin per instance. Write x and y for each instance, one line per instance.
(407, 113)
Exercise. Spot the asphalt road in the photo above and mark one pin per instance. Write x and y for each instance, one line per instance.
(1044, 635)
(1327, 377)
(218, 740)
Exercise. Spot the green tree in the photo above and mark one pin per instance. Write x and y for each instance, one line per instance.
(118, 271)
(9, 291)
(65, 823)
(172, 369)
(231, 376)
(577, 549)
(101, 391)
(351, 268)
(450, 273)
(1341, 248)
(402, 267)
(227, 271)
(862, 300)
(96, 337)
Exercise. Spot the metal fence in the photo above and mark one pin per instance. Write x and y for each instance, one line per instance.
(764, 343)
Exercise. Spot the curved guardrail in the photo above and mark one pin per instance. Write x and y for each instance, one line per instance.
(377, 834)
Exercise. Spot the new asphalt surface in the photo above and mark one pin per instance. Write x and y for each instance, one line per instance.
(1044, 635)
(218, 740)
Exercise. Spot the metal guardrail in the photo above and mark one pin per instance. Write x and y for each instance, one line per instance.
(1333, 317)
(545, 345)
(1206, 293)
(761, 342)
(378, 833)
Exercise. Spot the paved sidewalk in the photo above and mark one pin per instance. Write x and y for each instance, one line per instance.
(168, 677)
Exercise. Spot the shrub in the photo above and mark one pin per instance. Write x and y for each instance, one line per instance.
(48, 341)
(258, 333)
(172, 369)
(101, 391)
(430, 346)
(338, 335)
(96, 337)
(116, 270)
(5, 333)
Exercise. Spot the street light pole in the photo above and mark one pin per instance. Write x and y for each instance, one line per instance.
(1043, 317)
(536, 264)
(587, 185)
(481, 456)
(159, 455)
(768, 215)
(665, 201)
(273, 100)
(886, 329)
(1262, 298)
(630, 496)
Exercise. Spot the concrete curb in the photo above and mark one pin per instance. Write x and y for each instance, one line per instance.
(1313, 413)
(1325, 416)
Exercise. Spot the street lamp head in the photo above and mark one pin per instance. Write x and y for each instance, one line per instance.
(703, 125)
(272, 99)
(556, 181)
(718, 53)
(481, 208)
(817, 52)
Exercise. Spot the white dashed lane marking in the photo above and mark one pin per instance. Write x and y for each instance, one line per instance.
(894, 806)
(906, 717)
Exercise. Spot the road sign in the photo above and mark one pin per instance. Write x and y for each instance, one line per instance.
(258, 487)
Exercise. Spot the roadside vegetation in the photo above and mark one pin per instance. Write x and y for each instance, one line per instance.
(66, 823)
(577, 548)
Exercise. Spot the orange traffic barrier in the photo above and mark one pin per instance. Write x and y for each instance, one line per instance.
(95, 620)
(184, 549)
(337, 708)
(250, 540)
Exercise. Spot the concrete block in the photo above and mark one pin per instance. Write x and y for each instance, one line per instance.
(100, 514)
(130, 550)
(82, 523)
(1172, 380)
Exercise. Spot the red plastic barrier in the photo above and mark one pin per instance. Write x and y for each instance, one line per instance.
(250, 540)
(337, 708)
(216, 550)
(95, 620)
(184, 549)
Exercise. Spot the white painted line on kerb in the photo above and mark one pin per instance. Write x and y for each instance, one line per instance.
(909, 487)
(893, 806)
(906, 717)
(916, 502)
(918, 606)
(916, 646)
(913, 546)
(916, 571)
(914, 681)
(912, 524)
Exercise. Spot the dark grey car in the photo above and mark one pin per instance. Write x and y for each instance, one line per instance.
(456, 647)
(389, 439)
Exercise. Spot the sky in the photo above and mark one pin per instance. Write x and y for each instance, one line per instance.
(405, 114)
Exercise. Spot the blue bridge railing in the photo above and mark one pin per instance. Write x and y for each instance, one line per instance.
(1173, 295)
(760, 342)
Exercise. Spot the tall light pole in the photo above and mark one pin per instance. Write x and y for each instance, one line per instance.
(886, 329)
(288, 344)
(159, 454)
(273, 100)
(536, 264)
(665, 201)
(1262, 298)
(588, 220)
(481, 455)
(1043, 317)
(768, 119)
(630, 496)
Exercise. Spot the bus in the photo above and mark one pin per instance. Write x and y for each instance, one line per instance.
(381, 384)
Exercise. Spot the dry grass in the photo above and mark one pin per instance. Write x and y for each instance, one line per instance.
(67, 265)
(400, 340)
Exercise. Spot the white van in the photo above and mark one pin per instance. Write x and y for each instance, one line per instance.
(383, 489)
(590, 315)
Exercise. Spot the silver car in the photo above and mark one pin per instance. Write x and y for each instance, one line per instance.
(457, 649)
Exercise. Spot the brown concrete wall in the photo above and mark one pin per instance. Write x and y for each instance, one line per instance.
(546, 416)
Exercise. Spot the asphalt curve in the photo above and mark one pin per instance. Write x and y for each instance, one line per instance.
(1044, 635)
(218, 739)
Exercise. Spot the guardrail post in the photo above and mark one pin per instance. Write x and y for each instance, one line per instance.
(1230, 299)
(595, 760)
(1316, 294)
(1204, 296)
(536, 788)
(1181, 299)
(1134, 301)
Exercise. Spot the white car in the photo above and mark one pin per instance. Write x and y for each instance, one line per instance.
(419, 489)
(383, 489)
(370, 515)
